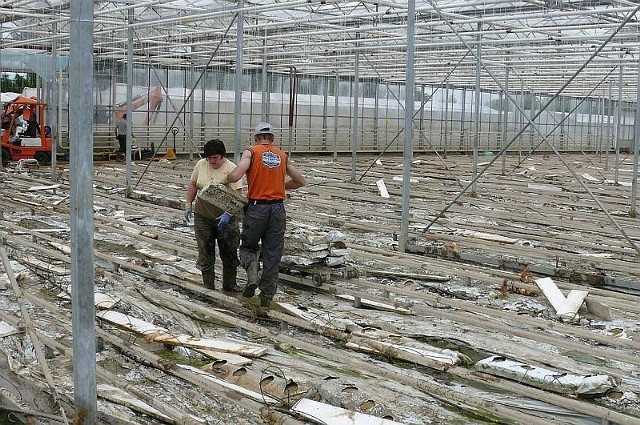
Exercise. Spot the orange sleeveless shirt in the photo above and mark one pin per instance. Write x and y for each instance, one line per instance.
(267, 173)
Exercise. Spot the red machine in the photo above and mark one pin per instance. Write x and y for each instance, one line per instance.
(24, 133)
(154, 98)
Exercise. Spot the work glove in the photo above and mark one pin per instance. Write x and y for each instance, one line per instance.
(188, 213)
(222, 220)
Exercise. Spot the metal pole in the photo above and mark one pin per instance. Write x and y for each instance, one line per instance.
(52, 116)
(192, 107)
(505, 122)
(477, 108)
(408, 125)
(325, 110)
(609, 104)
(420, 119)
(336, 115)
(293, 88)
(636, 147)
(203, 106)
(237, 113)
(444, 126)
(354, 121)
(617, 128)
(81, 198)
(522, 116)
(1, 166)
(265, 81)
(129, 100)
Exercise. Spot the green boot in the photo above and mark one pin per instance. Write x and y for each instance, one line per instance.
(229, 280)
(252, 279)
(264, 302)
(209, 280)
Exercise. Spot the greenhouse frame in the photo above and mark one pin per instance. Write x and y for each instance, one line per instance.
(458, 156)
(481, 70)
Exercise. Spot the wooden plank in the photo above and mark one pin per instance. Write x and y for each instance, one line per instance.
(382, 188)
(47, 187)
(224, 357)
(330, 415)
(130, 323)
(237, 388)
(597, 308)
(320, 317)
(118, 396)
(375, 304)
(44, 266)
(7, 330)
(104, 301)
(159, 255)
(566, 307)
(162, 335)
(418, 276)
(440, 360)
(245, 349)
(484, 236)
(48, 230)
(100, 300)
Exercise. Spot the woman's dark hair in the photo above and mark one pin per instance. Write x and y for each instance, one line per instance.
(214, 147)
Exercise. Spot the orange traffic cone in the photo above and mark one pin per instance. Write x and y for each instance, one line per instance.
(170, 154)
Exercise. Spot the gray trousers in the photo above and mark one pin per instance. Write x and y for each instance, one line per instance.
(265, 224)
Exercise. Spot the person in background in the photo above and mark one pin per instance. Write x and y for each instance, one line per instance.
(212, 224)
(121, 135)
(266, 167)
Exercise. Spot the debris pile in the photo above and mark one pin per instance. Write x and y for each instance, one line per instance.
(305, 246)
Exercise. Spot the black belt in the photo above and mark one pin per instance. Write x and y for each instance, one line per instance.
(265, 201)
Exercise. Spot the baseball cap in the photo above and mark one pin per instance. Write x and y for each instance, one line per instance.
(263, 128)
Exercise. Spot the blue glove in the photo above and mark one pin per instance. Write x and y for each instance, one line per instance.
(222, 220)
(188, 213)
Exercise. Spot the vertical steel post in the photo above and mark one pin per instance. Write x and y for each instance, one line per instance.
(376, 116)
(409, 106)
(237, 113)
(81, 198)
(505, 122)
(354, 122)
(443, 119)
(477, 110)
(636, 147)
(336, 115)
(203, 105)
(192, 108)
(129, 101)
(265, 81)
(609, 108)
(325, 110)
(1, 167)
(421, 119)
(618, 124)
(52, 112)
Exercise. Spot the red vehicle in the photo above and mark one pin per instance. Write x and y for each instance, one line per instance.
(24, 134)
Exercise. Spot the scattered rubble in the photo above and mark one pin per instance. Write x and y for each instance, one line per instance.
(467, 326)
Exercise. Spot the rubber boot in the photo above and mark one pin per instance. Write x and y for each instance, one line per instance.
(264, 302)
(229, 280)
(252, 279)
(209, 280)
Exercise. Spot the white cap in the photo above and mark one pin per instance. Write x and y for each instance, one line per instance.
(264, 128)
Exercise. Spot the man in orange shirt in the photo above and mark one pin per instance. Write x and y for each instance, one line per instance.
(267, 168)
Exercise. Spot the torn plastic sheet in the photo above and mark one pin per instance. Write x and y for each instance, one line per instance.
(550, 380)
